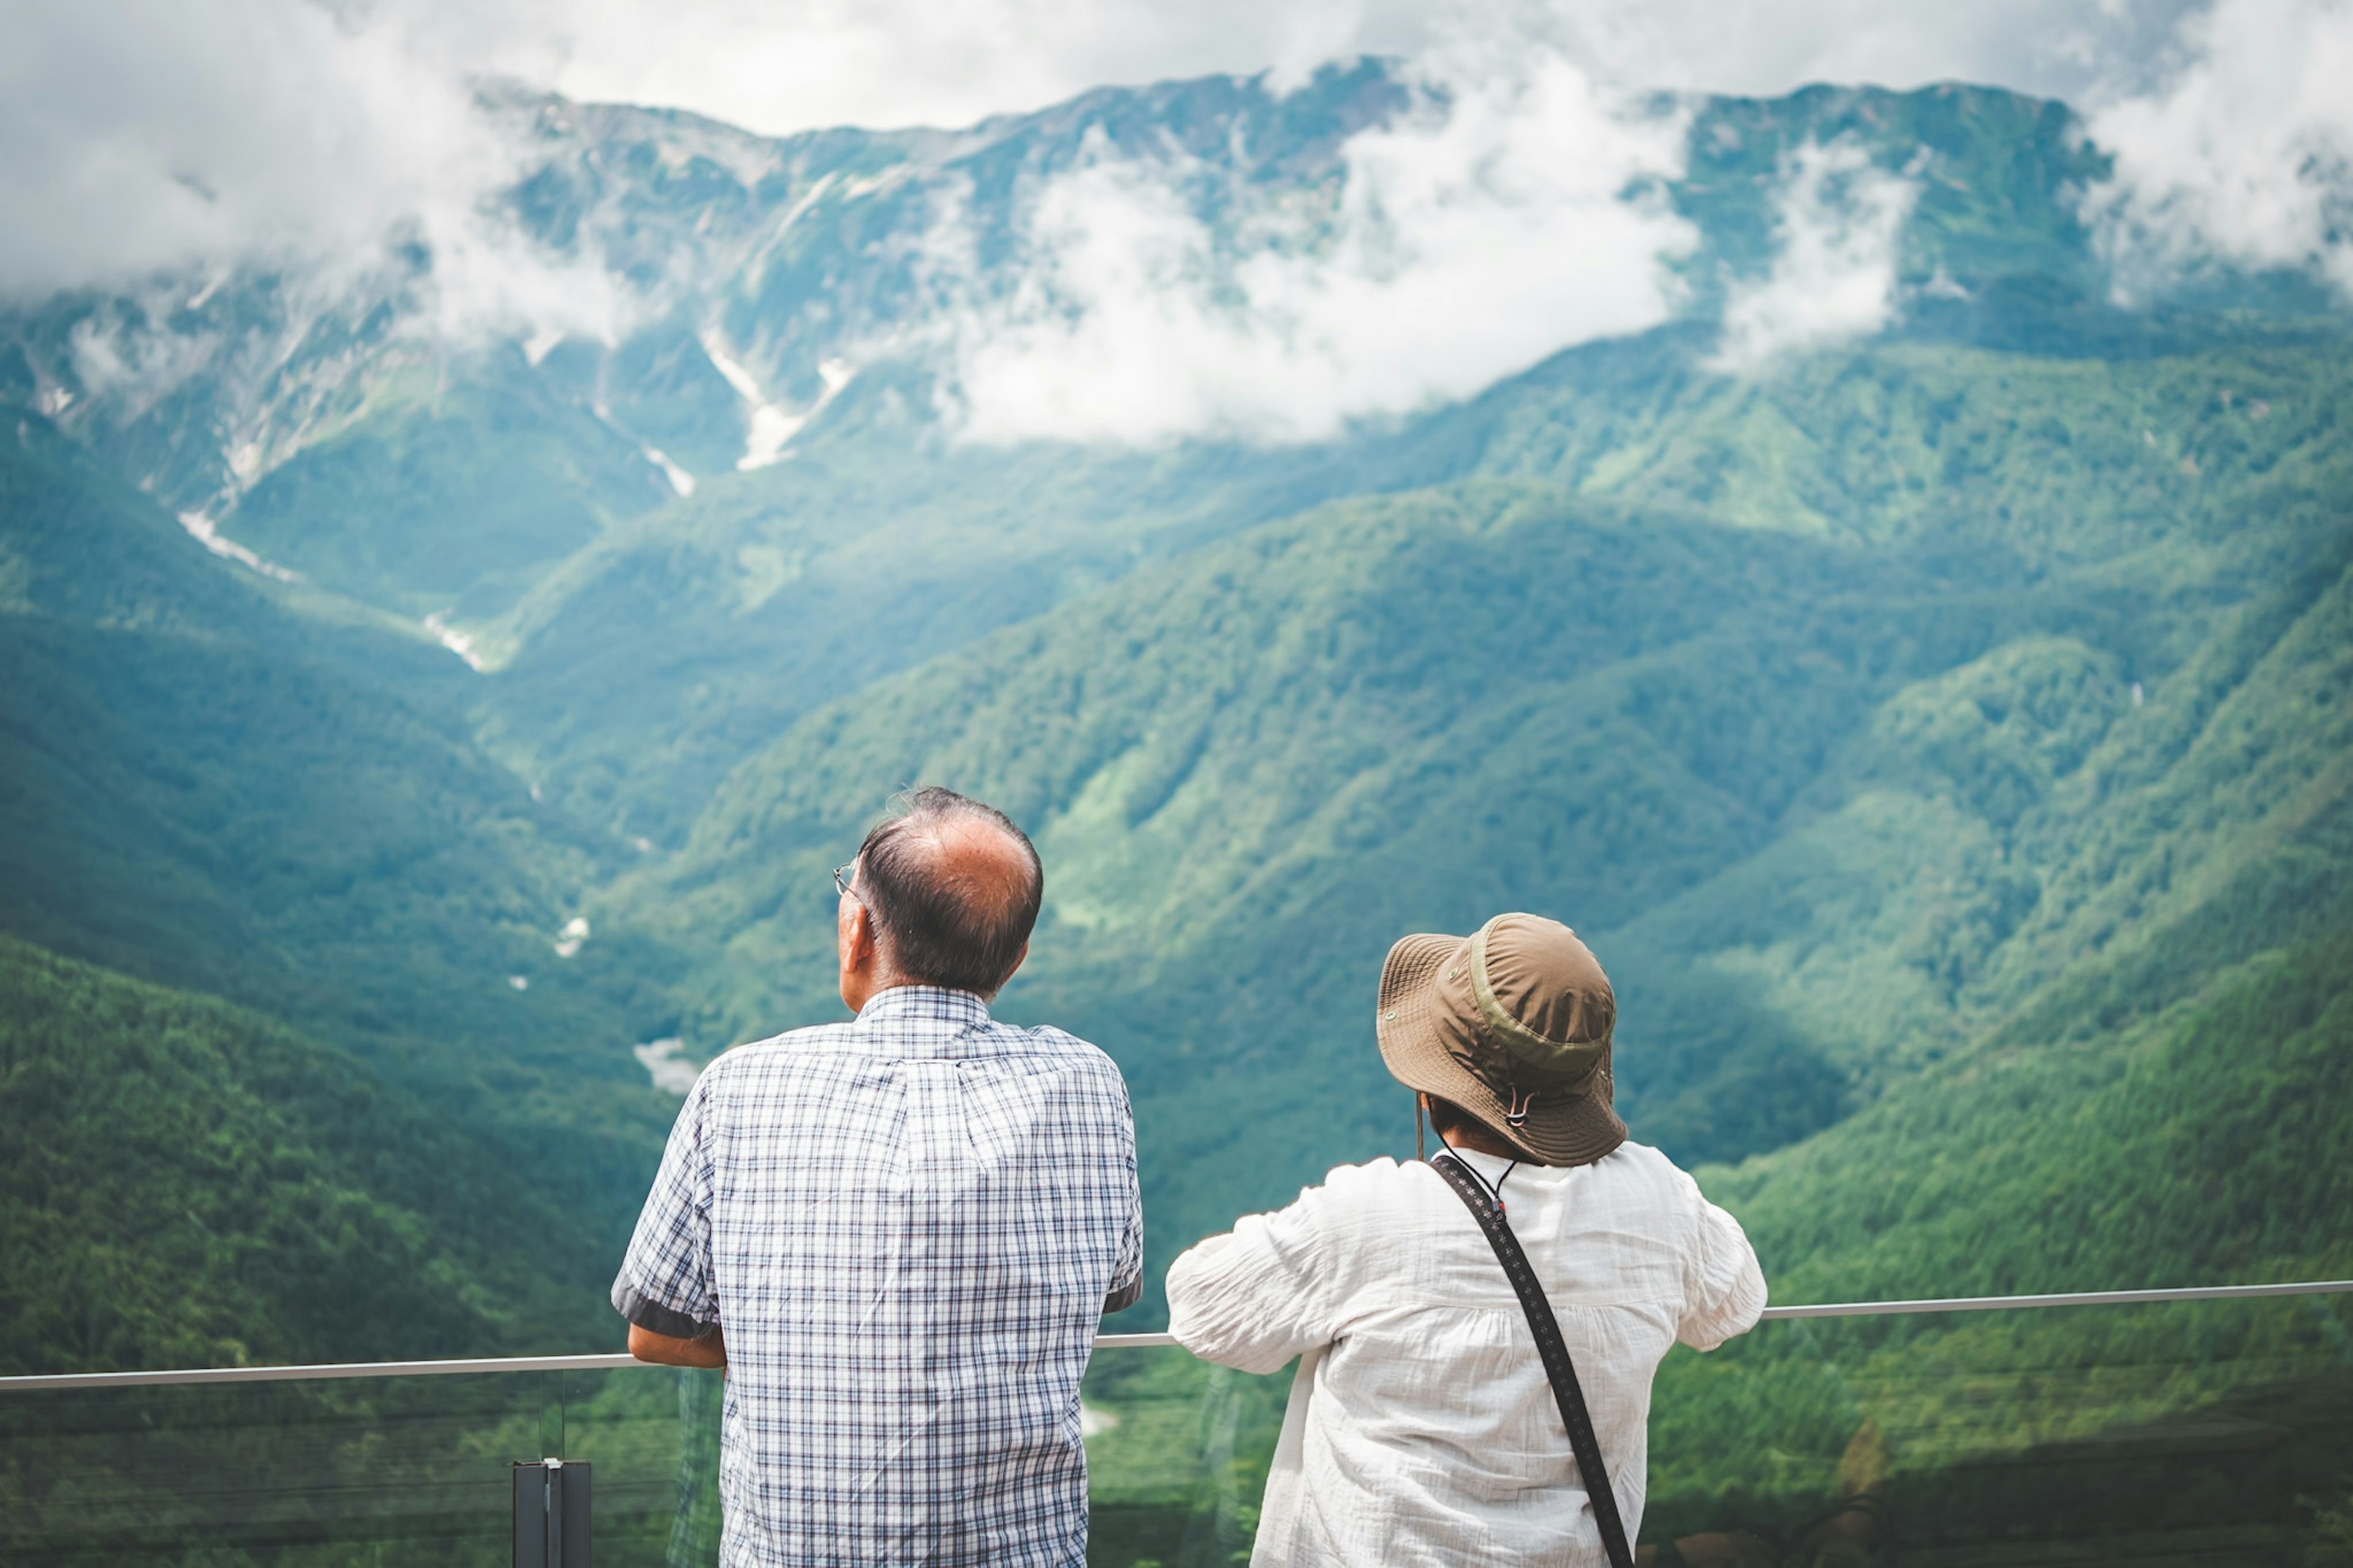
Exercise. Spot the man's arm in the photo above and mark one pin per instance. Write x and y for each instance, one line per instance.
(1127, 1276)
(709, 1349)
(664, 1288)
(1127, 1279)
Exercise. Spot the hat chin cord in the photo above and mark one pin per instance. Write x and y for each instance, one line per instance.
(1515, 1114)
(1494, 1188)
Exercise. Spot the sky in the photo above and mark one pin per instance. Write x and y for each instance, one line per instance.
(779, 68)
(151, 134)
(136, 131)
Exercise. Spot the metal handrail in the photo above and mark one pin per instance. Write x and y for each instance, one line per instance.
(1105, 1341)
(2070, 1298)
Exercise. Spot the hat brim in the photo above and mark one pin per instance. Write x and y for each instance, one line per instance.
(1564, 1130)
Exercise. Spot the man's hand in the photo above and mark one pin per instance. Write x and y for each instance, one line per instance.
(705, 1350)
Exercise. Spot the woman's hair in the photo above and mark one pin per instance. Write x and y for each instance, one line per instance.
(1445, 1117)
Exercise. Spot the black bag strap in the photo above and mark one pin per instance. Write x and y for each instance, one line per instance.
(1550, 1346)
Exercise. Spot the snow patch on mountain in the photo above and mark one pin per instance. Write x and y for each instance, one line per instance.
(460, 643)
(771, 428)
(680, 481)
(668, 1074)
(203, 530)
(574, 935)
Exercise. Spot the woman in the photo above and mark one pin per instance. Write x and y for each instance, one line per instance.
(1423, 1427)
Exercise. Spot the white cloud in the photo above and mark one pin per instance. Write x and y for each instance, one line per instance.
(798, 64)
(2244, 156)
(788, 65)
(1839, 221)
(197, 134)
(1507, 216)
(143, 134)
(150, 135)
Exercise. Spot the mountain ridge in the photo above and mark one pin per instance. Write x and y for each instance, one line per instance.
(1964, 717)
(1858, 709)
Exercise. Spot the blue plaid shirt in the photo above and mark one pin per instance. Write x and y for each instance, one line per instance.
(908, 1226)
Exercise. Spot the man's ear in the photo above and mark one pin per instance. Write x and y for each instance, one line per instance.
(857, 935)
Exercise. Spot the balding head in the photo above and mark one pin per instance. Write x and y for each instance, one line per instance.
(953, 887)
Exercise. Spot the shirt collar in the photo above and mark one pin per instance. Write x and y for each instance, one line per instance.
(1490, 1166)
(924, 1003)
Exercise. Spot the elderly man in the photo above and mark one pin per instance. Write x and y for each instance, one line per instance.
(1441, 1401)
(897, 1234)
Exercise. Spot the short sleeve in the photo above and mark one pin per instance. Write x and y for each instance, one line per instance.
(1723, 1287)
(1255, 1298)
(665, 1283)
(1127, 1274)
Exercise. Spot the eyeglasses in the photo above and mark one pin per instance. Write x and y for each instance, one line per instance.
(841, 875)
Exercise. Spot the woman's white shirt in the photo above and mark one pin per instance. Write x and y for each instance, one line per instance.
(1421, 1428)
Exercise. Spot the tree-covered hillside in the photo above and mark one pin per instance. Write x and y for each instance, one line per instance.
(1924, 727)
(835, 530)
(184, 1182)
(206, 788)
(1849, 713)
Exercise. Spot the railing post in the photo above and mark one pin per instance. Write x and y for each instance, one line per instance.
(552, 1514)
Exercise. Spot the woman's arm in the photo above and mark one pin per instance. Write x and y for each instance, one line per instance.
(1259, 1296)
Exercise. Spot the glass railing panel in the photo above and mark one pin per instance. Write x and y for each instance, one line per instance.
(393, 1470)
(650, 1436)
(2213, 1431)
(1177, 1459)
(400, 1470)
(2218, 1431)
(2207, 1432)
(379, 1470)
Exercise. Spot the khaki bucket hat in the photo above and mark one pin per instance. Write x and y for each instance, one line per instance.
(1511, 1023)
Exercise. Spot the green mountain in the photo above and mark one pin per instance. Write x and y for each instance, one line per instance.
(1939, 735)
(203, 1186)
(209, 787)
(516, 493)
(1864, 708)
(447, 500)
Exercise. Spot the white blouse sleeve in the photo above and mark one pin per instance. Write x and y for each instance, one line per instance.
(1256, 1298)
(1724, 1287)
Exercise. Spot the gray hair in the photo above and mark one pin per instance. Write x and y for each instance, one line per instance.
(944, 927)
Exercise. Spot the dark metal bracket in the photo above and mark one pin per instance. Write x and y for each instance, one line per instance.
(551, 1519)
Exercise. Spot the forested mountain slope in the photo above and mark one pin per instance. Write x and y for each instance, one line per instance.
(2152, 1072)
(783, 357)
(1925, 680)
(1939, 733)
(205, 788)
(184, 1182)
